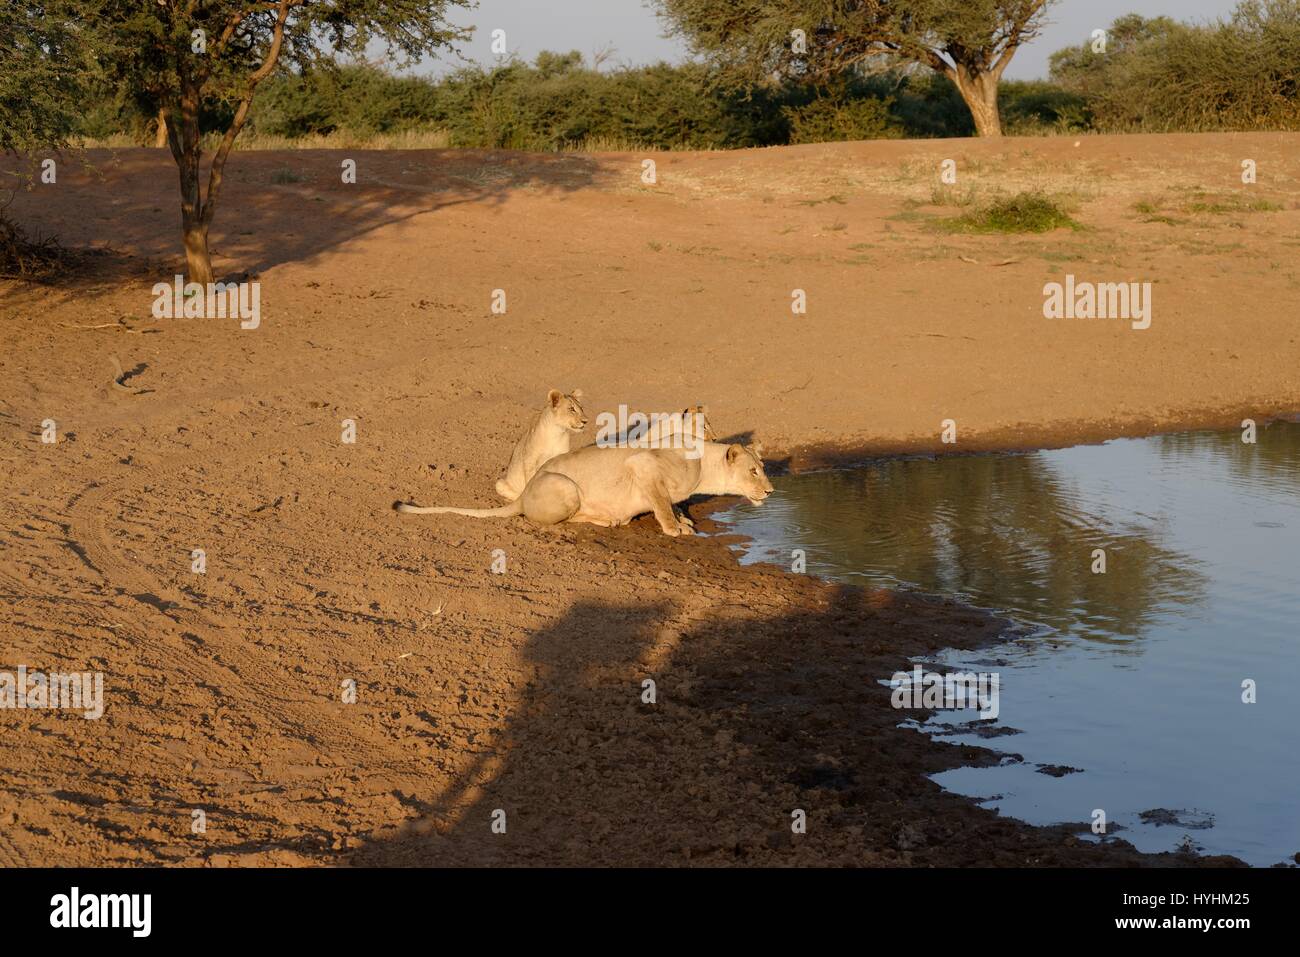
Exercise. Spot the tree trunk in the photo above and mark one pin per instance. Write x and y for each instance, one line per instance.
(184, 137)
(980, 93)
(198, 263)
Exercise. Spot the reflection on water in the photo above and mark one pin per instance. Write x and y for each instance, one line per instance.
(1132, 676)
(1009, 532)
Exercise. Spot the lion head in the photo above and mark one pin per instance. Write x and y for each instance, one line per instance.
(745, 475)
(567, 410)
(695, 420)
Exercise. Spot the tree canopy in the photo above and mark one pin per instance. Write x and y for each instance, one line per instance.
(179, 58)
(46, 60)
(969, 41)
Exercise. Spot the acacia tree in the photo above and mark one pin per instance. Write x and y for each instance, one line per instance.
(43, 60)
(185, 58)
(1083, 69)
(969, 41)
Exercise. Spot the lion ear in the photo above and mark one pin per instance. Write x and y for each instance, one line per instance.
(733, 453)
(554, 396)
(576, 393)
(757, 448)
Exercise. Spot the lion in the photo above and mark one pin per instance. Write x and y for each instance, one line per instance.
(612, 486)
(688, 429)
(547, 436)
(683, 429)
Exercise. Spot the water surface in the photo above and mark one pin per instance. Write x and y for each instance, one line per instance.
(1132, 676)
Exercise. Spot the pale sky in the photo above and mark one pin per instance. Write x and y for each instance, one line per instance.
(636, 34)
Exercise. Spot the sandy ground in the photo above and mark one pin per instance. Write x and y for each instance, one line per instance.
(522, 691)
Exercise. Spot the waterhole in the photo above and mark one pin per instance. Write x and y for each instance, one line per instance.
(1154, 586)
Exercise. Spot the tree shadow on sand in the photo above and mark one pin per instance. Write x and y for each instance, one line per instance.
(755, 717)
(125, 203)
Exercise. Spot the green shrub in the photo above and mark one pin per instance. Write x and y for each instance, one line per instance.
(832, 120)
(1036, 107)
(1022, 213)
(1159, 75)
(926, 104)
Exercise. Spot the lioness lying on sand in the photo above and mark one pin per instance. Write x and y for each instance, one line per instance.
(608, 487)
(547, 437)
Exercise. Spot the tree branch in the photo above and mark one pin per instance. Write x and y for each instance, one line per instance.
(1016, 36)
(216, 174)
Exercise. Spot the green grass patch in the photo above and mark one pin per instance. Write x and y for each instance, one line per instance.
(1022, 213)
(907, 216)
(948, 195)
(1200, 201)
(1234, 205)
(1167, 220)
(833, 198)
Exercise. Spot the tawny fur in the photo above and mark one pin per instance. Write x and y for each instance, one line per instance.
(684, 429)
(547, 436)
(612, 486)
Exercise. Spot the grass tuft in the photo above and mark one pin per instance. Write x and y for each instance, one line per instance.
(1022, 213)
(833, 198)
(1233, 205)
(1199, 201)
(947, 195)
